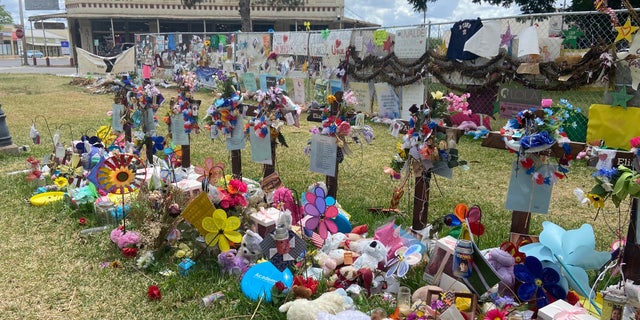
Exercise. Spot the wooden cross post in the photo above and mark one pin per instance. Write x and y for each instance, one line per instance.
(631, 266)
(236, 163)
(332, 182)
(421, 201)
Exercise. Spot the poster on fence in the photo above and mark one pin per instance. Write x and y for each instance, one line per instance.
(515, 99)
(252, 51)
(388, 101)
(290, 43)
(249, 82)
(298, 91)
(410, 43)
(332, 46)
(362, 92)
(411, 94)
(267, 81)
(368, 47)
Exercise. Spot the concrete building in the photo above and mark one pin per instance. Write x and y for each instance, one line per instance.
(98, 25)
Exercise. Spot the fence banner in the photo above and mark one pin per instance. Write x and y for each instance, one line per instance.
(253, 50)
(411, 43)
(388, 101)
(91, 63)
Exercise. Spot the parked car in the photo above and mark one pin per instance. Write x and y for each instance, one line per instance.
(119, 48)
(34, 53)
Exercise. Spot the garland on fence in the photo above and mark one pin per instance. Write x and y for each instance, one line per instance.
(501, 68)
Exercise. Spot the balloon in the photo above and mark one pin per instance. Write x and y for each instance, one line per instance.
(260, 278)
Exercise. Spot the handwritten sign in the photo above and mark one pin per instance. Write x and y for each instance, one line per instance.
(411, 94)
(362, 92)
(379, 36)
(298, 90)
(388, 102)
(249, 82)
(410, 43)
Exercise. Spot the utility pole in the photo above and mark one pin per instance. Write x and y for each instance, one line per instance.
(22, 41)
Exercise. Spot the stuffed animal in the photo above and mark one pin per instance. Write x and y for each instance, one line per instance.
(344, 277)
(325, 262)
(231, 263)
(503, 263)
(331, 247)
(250, 246)
(372, 254)
(329, 302)
(344, 315)
(301, 292)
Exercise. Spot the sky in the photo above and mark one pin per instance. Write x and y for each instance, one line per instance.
(384, 12)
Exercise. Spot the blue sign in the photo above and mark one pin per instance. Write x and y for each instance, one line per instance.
(64, 47)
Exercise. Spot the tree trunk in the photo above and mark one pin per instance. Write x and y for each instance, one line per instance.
(245, 15)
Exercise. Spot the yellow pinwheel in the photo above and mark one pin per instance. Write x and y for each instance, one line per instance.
(221, 229)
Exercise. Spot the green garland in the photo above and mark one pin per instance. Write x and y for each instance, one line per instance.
(501, 68)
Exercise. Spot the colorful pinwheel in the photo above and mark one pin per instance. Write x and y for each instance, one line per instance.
(119, 174)
(321, 209)
(210, 172)
(221, 230)
(462, 213)
(513, 250)
(538, 282)
(404, 258)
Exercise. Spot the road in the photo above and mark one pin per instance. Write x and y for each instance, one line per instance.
(57, 66)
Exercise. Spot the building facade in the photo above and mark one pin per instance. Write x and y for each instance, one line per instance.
(99, 25)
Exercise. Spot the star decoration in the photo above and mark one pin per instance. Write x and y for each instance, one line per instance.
(370, 47)
(625, 31)
(388, 45)
(244, 44)
(506, 38)
(571, 36)
(621, 98)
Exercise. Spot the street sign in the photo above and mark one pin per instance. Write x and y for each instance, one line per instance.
(19, 33)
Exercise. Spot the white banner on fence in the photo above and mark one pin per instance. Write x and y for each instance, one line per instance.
(411, 94)
(253, 50)
(388, 101)
(410, 43)
(91, 63)
(290, 43)
(363, 94)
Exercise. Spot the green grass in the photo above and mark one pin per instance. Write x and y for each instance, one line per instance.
(49, 271)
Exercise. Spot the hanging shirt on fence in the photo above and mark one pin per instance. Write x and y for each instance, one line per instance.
(460, 33)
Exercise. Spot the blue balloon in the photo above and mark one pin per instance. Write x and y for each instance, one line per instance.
(260, 278)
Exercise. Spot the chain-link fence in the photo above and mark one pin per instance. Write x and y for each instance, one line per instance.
(556, 56)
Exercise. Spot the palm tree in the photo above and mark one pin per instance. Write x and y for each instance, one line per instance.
(421, 5)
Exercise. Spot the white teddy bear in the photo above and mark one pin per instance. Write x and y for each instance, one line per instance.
(330, 302)
(372, 253)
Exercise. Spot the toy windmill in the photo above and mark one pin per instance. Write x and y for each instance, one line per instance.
(119, 174)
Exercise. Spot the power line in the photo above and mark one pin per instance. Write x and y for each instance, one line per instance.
(353, 13)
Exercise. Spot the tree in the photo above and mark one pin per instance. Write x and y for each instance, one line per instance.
(245, 9)
(420, 5)
(526, 6)
(5, 17)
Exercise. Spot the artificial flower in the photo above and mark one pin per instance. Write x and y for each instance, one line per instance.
(116, 264)
(538, 282)
(573, 252)
(495, 314)
(145, 260)
(82, 221)
(307, 282)
(221, 229)
(61, 182)
(130, 252)
(331, 99)
(153, 293)
(124, 238)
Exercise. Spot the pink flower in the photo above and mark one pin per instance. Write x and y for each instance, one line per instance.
(495, 314)
(635, 142)
(344, 128)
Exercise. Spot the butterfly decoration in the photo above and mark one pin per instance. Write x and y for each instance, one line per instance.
(210, 172)
(322, 210)
(462, 213)
(404, 258)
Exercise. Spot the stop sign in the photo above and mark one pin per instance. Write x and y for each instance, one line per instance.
(19, 33)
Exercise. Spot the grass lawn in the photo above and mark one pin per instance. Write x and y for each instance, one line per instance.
(50, 272)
